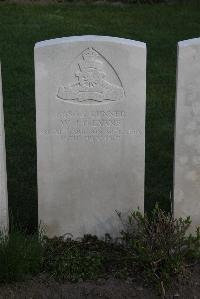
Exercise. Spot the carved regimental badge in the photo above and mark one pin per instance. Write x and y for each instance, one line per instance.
(95, 80)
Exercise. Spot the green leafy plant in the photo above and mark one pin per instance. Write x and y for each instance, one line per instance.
(159, 244)
(88, 258)
(193, 247)
(69, 260)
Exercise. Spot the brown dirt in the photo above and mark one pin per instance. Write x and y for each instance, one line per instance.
(41, 287)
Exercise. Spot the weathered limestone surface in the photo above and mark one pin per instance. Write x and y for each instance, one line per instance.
(3, 174)
(187, 141)
(90, 103)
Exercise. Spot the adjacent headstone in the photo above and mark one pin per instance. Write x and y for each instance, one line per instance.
(90, 103)
(187, 141)
(3, 174)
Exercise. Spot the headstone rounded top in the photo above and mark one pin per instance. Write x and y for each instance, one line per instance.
(189, 42)
(85, 38)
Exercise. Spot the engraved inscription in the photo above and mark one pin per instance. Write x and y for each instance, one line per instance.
(95, 80)
(92, 127)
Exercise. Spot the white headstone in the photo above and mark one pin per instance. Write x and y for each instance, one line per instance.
(187, 141)
(90, 102)
(3, 174)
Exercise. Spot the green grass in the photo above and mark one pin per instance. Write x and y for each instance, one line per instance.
(20, 256)
(161, 26)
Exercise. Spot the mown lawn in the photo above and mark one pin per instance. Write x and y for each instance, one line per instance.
(160, 26)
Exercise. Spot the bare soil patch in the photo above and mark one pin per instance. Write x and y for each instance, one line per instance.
(43, 287)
